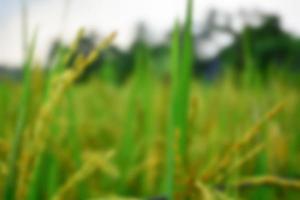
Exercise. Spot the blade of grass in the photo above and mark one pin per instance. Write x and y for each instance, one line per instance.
(47, 163)
(170, 140)
(127, 146)
(64, 82)
(10, 187)
(185, 79)
(74, 142)
(181, 78)
(4, 102)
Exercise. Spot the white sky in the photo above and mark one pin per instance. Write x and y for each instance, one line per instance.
(120, 15)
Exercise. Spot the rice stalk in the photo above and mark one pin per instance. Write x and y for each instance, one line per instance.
(141, 94)
(268, 180)
(170, 139)
(59, 87)
(62, 60)
(181, 78)
(184, 73)
(113, 197)
(223, 162)
(11, 181)
(240, 162)
(93, 162)
(205, 193)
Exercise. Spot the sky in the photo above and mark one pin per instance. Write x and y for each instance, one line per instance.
(62, 18)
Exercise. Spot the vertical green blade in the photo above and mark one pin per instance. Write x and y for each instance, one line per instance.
(181, 77)
(170, 140)
(185, 79)
(10, 187)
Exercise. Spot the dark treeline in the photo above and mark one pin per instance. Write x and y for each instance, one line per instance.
(264, 47)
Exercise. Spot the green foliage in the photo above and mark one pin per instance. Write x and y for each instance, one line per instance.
(181, 78)
(139, 105)
(20, 126)
(176, 138)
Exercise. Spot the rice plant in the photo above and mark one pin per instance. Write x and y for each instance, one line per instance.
(149, 137)
(20, 126)
(181, 78)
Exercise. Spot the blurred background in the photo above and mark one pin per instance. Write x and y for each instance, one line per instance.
(219, 28)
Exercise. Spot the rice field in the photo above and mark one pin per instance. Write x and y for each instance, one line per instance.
(150, 137)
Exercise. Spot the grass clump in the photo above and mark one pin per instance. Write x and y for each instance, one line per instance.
(147, 138)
